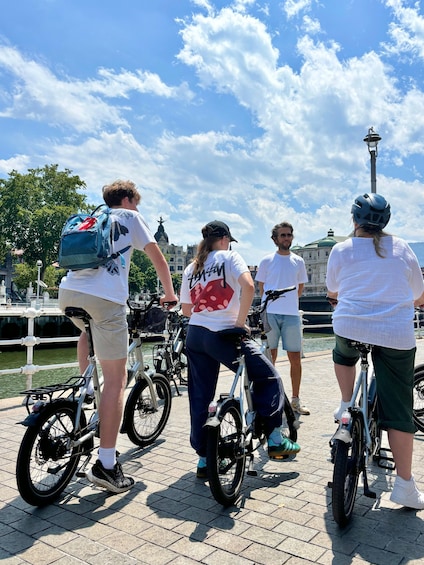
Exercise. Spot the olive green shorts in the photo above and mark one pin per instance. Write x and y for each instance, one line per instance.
(108, 323)
(394, 371)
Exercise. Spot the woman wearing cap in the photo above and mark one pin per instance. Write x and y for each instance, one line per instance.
(217, 291)
(375, 279)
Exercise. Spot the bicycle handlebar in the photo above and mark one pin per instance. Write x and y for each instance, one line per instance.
(274, 294)
(155, 299)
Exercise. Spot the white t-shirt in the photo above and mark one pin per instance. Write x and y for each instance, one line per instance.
(215, 291)
(375, 295)
(280, 271)
(110, 281)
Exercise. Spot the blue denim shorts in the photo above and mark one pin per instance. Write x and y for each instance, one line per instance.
(288, 328)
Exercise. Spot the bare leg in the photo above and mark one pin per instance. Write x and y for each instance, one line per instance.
(346, 379)
(295, 371)
(274, 355)
(82, 352)
(401, 444)
(112, 400)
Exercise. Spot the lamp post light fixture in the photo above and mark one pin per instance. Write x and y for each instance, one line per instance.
(39, 265)
(371, 139)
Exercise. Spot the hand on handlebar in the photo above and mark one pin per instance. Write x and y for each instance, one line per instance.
(168, 301)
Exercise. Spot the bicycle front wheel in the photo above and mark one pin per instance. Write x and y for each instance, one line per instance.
(225, 456)
(46, 459)
(348, 464)
(145, 423)
(419, 397)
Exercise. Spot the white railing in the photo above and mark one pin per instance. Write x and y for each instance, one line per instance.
(30, 341)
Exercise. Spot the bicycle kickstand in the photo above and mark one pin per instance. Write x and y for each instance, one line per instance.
(250, 470)
(81, 471)
(367, 492)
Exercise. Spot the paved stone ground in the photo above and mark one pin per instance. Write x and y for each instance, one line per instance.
(283, 517)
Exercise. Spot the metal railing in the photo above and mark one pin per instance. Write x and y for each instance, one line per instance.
(31, 341)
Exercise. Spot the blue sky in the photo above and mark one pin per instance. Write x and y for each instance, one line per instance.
(249, 112)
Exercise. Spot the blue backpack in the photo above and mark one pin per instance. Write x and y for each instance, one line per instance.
(86, 240)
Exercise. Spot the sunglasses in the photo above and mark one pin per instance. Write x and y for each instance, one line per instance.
(285, 235)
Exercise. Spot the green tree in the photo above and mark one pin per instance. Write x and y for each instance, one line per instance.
(33, 209)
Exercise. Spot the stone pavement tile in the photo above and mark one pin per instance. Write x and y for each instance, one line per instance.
(159, 536)
(15, 542)
(378, 556)
(301, 549)
(222, 557)
(11, 560)
(228, 542)
(41, 554)
(151, 554)
(290, 529)
(333, 558)
(264, 555)
(263, 536)
(192, 549)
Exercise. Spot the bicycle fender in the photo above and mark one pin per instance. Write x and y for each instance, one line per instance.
(343, 434)
(31, 420)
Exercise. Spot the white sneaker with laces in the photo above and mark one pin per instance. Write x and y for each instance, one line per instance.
(407, 494)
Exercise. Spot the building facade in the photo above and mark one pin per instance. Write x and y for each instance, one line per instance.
(316, 255)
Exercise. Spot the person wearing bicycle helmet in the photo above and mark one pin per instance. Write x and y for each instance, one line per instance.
(216, 293)
(376, 279)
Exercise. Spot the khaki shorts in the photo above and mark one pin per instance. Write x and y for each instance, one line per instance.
(108, 324)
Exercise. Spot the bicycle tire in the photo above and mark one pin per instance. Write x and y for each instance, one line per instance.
(418, 393)
(291, 419)
(45, 464)
(144, 424)
(226, 461)
(348, 463)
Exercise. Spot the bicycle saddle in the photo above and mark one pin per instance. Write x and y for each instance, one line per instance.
(75, 312)
(233, 334)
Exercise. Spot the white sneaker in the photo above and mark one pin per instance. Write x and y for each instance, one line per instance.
(339, 411)
(406, 494)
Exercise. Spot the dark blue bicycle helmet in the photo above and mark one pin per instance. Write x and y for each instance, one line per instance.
(371, 211)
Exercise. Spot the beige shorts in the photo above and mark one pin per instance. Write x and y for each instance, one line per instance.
(108, 324)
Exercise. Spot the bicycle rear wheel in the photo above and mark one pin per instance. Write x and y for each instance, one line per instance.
(46, 459)
(419, 397)
(226, 460)
(292, 421)
(144, 423)
(348, 463)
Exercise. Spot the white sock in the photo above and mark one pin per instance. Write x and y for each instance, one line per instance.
(107, 457)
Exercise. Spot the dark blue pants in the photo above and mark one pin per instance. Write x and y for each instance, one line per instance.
(206, 350)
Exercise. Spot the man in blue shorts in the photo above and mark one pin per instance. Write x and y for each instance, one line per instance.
(282, 269)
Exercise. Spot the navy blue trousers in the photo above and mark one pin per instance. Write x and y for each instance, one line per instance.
(206, 350)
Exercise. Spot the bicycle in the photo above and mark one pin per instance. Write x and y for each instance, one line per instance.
(58, 431)
(234, 431)
(358, 437)
(418, 411)
(169, 357)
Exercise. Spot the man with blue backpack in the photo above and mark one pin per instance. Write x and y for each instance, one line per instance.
(103, 292)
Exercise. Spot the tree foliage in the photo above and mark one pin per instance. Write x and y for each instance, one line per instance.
(33, 209)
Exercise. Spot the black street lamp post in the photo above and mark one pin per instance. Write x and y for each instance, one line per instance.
(372, 139)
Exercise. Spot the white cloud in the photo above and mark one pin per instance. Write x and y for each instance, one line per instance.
(38, 94)
(293, 7)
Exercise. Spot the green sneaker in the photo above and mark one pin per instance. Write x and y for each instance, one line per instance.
(283, 450)
(202, 470)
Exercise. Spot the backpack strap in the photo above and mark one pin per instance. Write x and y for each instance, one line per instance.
(120, 254)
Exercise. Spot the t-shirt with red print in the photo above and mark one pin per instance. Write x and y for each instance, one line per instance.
(215, 291)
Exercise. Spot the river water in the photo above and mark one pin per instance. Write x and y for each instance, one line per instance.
(11, 385)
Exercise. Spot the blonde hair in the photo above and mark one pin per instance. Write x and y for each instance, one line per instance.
(376, 238)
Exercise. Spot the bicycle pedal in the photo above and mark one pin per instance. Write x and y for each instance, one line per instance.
(370, 493)
(252, 473)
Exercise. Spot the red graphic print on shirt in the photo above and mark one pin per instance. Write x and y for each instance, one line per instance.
(216, 295)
